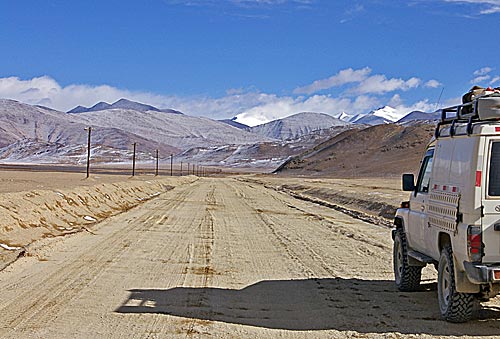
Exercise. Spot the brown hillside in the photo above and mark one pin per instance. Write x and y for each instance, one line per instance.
(382, 150)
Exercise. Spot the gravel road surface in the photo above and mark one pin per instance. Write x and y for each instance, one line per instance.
(221, 258)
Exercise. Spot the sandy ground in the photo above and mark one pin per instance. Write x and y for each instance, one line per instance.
(37, 205)
(222, 258)
(18, 181)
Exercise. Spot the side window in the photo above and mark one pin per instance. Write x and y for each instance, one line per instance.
(494, 175)
(424, 176)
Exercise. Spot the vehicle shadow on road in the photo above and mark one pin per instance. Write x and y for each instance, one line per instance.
(366, 306)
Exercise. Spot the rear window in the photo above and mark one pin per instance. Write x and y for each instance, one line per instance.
(494, 175)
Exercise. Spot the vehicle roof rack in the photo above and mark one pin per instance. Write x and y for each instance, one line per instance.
(482, 108)
(460, 112)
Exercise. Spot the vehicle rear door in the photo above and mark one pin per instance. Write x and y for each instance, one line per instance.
(491, 202)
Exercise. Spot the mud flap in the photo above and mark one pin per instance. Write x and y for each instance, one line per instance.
(463, 284)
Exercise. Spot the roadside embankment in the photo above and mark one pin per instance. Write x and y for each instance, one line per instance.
(374, 200)
(28, 216)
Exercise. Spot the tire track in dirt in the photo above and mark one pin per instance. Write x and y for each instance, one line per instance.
(222, 259)
(200, 264)
(178, 255)
(40, 303)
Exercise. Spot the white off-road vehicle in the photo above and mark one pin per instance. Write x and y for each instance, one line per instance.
(452, 219)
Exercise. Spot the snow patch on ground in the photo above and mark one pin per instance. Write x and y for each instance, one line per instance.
(9, 248)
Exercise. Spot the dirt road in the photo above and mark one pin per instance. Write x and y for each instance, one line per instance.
(221, 258)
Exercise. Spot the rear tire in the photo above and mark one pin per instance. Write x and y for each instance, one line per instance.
(455, 307)
(407, 277)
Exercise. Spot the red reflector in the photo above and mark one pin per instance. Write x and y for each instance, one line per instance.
(497, 129)
(474, 250)
(478, 178)
(496, 274)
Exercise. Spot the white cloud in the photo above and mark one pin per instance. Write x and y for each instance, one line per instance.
(343, 77)
(483, 75)
(395, 101)
(432, 84)
(352, 12)
(495, 80)
(365, 83)
(479, 79)
(241, 3)
(379, 84)
(280, 107)
(491, 10)
(489, 6)
(46, 91)
(483, 71)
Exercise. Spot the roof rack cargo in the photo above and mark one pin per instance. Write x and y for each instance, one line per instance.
(486, 107)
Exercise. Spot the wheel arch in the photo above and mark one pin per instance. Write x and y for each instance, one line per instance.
(462, 282)
(399, 223)
(443, 240)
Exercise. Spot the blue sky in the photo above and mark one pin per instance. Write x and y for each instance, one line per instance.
(261, 59)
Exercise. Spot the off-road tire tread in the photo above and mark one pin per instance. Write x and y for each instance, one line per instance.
(461, 304)
(411, 275)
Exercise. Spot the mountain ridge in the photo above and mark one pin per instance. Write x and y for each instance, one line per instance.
(296, 125)
(123, 104)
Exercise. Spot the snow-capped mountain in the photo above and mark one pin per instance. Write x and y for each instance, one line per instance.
(343, 116)
(383, 115)
(36, 130)
(297, 125)
(178, 130)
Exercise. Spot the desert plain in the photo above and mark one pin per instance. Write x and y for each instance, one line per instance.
(240, 256)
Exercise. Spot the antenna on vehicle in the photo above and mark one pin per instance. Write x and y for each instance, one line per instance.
(439, 99)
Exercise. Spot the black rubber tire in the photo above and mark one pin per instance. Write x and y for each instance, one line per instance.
(407, 277)
(455, 307)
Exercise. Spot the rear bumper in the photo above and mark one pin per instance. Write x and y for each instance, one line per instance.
(482, 274)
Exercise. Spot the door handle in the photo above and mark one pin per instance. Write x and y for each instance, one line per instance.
(422, 208)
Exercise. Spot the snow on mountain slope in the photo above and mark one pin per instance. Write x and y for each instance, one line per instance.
(343, 116)
(127, 104)
(297, 125)
(122, 103)
(234, 123)
(379, 116)
(21, 122)
(28, 151)
(418, 115)
(179, 130)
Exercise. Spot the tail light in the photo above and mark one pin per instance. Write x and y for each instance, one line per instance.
(475, 243)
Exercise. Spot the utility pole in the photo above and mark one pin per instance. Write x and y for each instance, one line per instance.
(156, 172)
(181, 168)
(133, 160)
(88, 151)
(171, 165)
